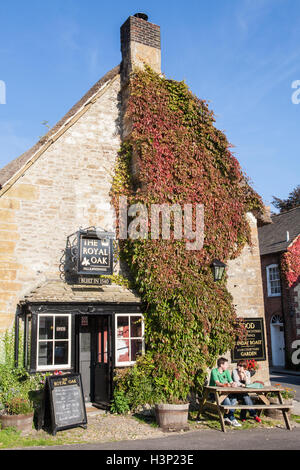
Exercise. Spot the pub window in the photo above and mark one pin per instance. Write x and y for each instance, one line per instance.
(273, 280)
(54, 344)
(129, 338)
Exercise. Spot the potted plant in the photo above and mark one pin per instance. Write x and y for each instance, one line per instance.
(17, 412)
(144, 385)
(252, 366)
(172, 408)
(172, 416)
(18, 391)
(287, 394)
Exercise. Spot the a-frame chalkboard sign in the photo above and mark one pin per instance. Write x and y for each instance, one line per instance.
(66, 402)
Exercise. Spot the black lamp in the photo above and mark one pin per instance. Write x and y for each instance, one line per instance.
(218, 269)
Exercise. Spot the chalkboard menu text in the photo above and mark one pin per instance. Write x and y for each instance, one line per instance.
(66, 402)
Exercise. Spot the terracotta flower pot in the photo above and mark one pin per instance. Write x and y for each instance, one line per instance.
(22, 423)
(172, 417)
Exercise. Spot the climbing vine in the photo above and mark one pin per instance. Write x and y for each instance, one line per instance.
(181, 158)
(290, 264)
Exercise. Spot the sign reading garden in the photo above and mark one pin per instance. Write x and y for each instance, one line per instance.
(253, 346)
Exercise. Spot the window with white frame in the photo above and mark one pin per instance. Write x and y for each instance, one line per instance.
(53, 342)
(129, 338)
(273, 280)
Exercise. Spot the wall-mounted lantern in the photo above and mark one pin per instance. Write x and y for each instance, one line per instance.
(218, 269)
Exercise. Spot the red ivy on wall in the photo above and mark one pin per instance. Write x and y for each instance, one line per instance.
(290, 263)
(182, 158)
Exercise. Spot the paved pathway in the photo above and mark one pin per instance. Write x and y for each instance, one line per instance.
(260, 439)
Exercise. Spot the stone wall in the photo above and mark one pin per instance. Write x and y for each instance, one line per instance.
(245, 285)
(66, 188)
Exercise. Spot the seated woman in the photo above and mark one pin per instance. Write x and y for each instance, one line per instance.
(241, 376)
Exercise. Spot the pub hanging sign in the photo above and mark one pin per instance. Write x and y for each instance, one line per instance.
(95, 254)
(253, 345)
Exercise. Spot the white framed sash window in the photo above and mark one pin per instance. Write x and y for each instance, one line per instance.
(129, 338)
(273, 280)
(53, 342)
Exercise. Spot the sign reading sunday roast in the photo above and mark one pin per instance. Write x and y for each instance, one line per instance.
(253, 346)
(95, 255)
(66, 400)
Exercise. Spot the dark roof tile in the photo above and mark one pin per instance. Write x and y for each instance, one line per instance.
(273, 238)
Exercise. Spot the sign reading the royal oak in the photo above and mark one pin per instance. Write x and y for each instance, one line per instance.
(253, 346)
(95, 253)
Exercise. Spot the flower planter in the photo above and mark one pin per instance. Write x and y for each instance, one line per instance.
(172, 417)
(277, 414)
(22, 423)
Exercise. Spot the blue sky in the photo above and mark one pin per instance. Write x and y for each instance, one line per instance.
(240, 55)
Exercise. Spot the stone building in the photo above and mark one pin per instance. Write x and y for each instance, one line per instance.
(281, 286)
(53, 199)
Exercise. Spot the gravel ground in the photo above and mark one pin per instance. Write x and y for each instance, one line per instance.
(103, 427)
(110, 428)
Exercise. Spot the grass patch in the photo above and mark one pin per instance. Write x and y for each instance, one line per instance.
(296, 418)
(11, 438)
(208, 419)
(146, 419)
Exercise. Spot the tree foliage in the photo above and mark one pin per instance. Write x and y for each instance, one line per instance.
(293, 200)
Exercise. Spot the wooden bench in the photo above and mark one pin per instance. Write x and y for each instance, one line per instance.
(220, 393)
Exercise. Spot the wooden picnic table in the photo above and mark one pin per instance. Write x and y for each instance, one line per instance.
(220, 393)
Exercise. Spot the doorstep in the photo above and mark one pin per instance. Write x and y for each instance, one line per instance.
(92, 410)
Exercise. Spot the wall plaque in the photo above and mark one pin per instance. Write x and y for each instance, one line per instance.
(253, 346)
(93, 281)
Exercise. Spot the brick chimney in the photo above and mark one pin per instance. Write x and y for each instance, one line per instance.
(140, 44)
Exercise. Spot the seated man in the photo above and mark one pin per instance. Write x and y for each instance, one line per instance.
(220, 377)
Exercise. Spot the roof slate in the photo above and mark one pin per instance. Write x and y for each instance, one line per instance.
(273, 237)
(57, 291)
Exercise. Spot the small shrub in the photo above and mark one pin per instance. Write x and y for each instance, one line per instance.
(120, 403)
(19, 406)
(138, 384)
(16, 384)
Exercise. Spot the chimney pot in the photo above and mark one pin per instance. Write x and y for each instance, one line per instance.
(143, 16)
